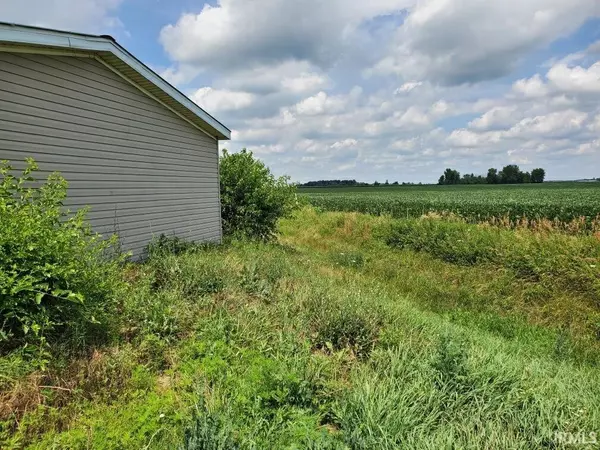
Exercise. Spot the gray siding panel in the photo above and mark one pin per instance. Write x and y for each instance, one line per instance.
(39, 85)
(140, 168)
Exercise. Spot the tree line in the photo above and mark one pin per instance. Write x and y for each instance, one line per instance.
(325, 183)
(344, 183)
(510, 174)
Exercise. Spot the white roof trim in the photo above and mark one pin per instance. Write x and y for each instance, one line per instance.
(18, 34)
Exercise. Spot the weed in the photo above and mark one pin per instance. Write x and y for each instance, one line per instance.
(337, 325)
(164, 245)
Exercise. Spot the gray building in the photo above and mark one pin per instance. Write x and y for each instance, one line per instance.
(133, 148)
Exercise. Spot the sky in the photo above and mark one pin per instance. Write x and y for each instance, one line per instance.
(381, 90)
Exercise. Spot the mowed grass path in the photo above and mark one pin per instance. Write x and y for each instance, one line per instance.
(564, 201)
(329, 338)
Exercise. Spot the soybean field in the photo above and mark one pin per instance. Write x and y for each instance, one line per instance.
(560, 201)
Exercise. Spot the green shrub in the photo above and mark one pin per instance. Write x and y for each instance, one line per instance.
(252, 199)
(57, 277)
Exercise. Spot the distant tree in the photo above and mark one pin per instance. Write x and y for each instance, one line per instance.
(451, 176)
(376, 183)
(395, 183)
(442, 180)
(471, 178)
(492, 176)
(387, 183)
(324, 183)
(510, 174)
(538, 175)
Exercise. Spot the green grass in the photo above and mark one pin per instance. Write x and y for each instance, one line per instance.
(564, 201)
(335, 336)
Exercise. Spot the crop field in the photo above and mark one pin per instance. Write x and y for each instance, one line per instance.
(561, 201)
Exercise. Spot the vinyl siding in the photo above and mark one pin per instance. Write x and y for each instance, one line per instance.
(140, 168)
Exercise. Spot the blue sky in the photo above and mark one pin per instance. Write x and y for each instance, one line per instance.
(385, 89)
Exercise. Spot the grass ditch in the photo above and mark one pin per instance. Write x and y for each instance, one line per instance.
(295, 345)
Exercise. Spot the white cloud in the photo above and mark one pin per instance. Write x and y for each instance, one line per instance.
(407, 87)
(238, 33)
(281, 74)
(550, 125)
(292, 77)
(179, 75)
(262, 150)
(563, 85)
(470, 139)
(575, 79)
(221, 100)
(413, 116)
(595, 125)
(404, 144)
(439, 108)
(496, 118)
(303, 83)
(91, 16)
(592, 147)
(533, 87)
(322, 103)
(344, 144)
(458, 41)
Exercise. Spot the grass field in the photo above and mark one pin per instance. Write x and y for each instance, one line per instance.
(565, 201)
(349, 332)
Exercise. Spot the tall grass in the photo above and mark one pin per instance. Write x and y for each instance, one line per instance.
(294, 345)
(570, 261)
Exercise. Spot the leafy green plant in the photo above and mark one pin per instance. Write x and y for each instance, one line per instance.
(58, 279)
(252, 198)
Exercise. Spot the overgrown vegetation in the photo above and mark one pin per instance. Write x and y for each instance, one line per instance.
(58, 281)
(347, 331)
(252, 198)
(543, 257)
